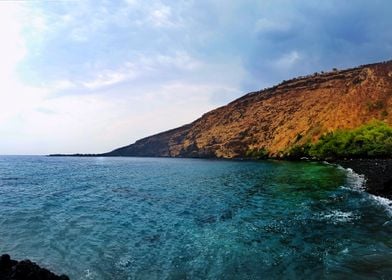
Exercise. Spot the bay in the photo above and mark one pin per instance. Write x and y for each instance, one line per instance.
(164, 218)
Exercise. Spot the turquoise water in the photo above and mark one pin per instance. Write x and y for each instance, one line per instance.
(145, 218)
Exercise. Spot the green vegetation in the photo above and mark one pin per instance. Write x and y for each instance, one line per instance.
(298, 151)
(256, 153)
(371, 140)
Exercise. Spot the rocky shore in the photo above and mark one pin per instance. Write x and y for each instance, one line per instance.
(25, 270)
(378, 173)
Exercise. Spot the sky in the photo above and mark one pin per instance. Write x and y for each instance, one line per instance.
(80, 76)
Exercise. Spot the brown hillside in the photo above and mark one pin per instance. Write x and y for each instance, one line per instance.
(276, 118)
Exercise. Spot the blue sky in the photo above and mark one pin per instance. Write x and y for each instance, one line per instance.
(89, 76)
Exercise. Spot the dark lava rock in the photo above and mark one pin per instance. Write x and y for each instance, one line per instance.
(378, 173)
(25, 270)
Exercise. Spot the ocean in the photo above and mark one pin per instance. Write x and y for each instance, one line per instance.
(165, 218)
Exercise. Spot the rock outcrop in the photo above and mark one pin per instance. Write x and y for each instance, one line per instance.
(378, 174)
(279, 117)
(25, 270)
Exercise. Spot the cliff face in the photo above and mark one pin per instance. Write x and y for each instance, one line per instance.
(292, 112)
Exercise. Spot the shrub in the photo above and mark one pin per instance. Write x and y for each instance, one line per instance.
(256, 153)
(298, 151)
(370, 140)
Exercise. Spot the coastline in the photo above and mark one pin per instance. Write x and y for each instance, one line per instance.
(378, 174)
(378, 168)
(15, 270)
(377, 171)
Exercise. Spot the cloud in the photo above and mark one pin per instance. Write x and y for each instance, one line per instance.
(161, 17)
(287, 61)
(109, 77)
(61, 85)
(142, 69)
(180, 60)
(307, 36)
(87, 76)
(265, 25)
(159, 90)
(12, 47)
(15, 96)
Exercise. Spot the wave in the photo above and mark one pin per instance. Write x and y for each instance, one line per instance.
(384, 202)
(357, 182)
(337, 216)
(354, 180)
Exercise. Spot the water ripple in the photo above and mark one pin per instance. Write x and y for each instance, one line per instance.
(145, 218)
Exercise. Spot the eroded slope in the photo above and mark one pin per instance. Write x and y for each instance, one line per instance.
(290, 113)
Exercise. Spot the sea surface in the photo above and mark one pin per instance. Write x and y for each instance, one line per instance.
(156, 218)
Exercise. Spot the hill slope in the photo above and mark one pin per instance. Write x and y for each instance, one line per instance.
(277, 118)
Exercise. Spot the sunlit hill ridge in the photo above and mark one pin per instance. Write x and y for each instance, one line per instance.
(279, 118)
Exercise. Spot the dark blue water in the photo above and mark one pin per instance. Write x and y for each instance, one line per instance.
(141, 218)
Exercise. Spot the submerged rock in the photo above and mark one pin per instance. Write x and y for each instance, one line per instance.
(25, 270)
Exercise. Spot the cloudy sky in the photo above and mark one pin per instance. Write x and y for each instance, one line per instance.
(90, 76)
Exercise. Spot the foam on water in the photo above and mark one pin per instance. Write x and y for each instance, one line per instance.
(337, 216)
(357, 182)
(141, 218)
(354, 181)
(384, 202)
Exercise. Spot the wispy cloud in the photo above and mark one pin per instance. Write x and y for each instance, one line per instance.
(109, 77)
(287, 60)
(82, 76)
(142, 67)
(161, 17)
(265, 25)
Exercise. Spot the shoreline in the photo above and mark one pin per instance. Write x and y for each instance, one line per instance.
(378, 174)
(15, 270)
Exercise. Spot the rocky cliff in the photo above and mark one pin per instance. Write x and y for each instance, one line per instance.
(279, 117)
